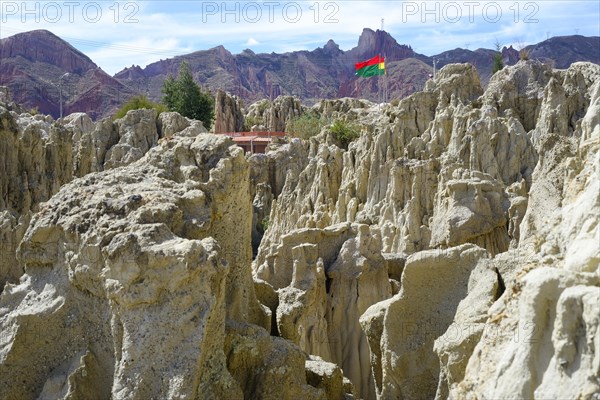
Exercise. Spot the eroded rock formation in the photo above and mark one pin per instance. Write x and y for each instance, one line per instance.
(447, 168)
(228, 113)
(273, 116)
(40, 155)
(132, 273)
(451, 251)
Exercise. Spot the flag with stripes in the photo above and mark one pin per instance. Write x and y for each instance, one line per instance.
(372, 67)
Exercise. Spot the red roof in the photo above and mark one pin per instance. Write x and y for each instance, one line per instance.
(262, 134)
(248, 139)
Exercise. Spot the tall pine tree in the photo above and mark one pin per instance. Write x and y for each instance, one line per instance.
(498, 64)
(185, 96)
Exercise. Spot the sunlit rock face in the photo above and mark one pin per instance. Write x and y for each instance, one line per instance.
(450, 251)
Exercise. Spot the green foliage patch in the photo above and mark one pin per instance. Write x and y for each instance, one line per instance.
(305, 126)
(344, 132)
(137, 103)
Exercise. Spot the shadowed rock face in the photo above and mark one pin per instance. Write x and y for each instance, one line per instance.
(449, 252)
(228, 113)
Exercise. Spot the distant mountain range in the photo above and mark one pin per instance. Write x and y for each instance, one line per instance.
(32, 63)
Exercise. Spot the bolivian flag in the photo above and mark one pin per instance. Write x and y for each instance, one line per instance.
(373, 67)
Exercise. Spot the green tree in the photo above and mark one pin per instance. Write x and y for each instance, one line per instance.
(498, 64)
(185, 96)
(168, 90)
(138, 102)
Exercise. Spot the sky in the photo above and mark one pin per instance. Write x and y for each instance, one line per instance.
(118, 34)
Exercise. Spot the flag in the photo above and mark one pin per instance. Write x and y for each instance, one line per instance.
(372, 67)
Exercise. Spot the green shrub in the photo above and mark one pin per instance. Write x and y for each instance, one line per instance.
(305, 126)
(264, 224)
(139, 102)
(344, 132)
(249, 122)
(263, 105)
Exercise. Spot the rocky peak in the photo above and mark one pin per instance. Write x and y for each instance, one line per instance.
(565, 50)
(222, 52)
(34, 65)
(372, 43)
(332, 47)
(43, 46)
(133, 72)
(510, 55)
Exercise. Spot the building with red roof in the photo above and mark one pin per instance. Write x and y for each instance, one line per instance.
(253, 142)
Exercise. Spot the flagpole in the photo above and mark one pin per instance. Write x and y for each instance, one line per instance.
(379, 82)
(385, 81)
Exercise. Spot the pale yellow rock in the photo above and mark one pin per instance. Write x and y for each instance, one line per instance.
(358, 279)
(433, 284)
(322, 374)
(129, 267)
(477, 211)
(551, 278)
(337, 274)
(301, 313)
(137, 134)
(470, 208)
(267, 367)
(42, 155)
(273, 116)
(517, 357)
(456, 344)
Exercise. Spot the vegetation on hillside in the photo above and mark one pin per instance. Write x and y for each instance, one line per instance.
(249, 122)
(185, 96)
(344, 133)
(523, 51)
(305, 126)
(139, 102)
(310, 124)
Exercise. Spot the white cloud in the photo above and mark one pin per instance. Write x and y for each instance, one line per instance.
(252, 42)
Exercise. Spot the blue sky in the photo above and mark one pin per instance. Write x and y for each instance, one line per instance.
(118, 34)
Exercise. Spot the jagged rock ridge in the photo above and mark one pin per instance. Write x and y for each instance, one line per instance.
(95, 279)
(449, 252)
(447, 167)
(32, 63)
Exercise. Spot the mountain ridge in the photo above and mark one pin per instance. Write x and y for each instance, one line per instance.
(32, 62)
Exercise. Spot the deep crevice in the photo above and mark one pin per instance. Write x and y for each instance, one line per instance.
(501, 285)
(328, 282)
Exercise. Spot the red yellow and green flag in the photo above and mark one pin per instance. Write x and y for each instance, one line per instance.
(372, 67)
